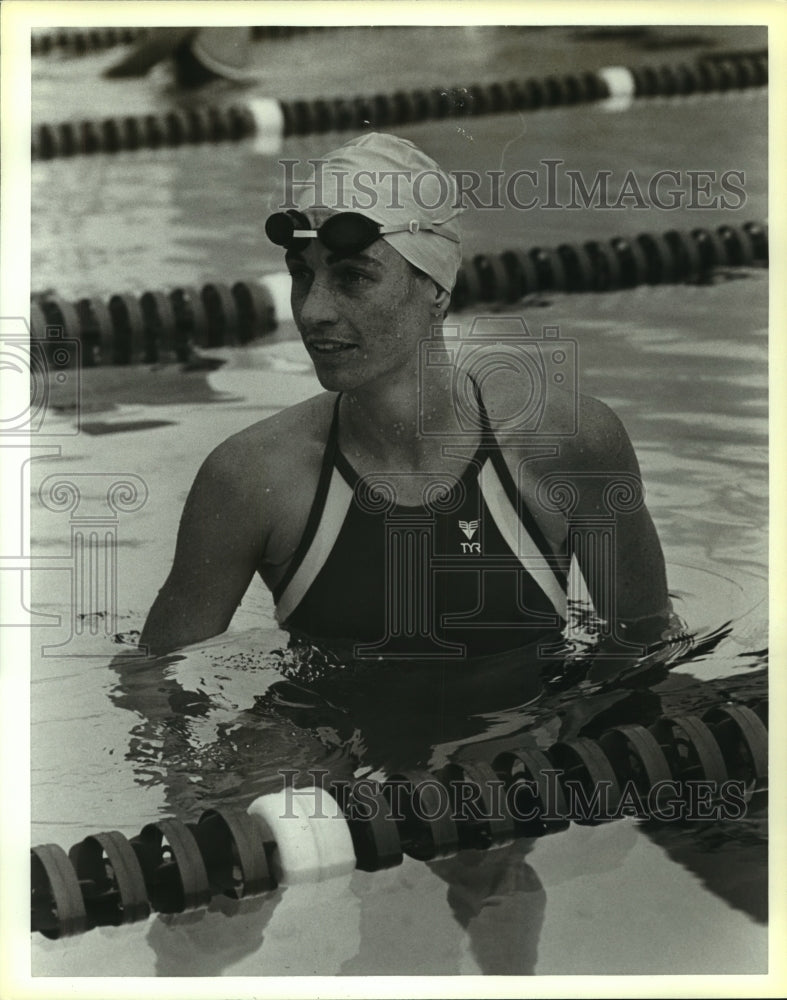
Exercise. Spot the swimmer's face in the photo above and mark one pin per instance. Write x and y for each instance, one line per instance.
(361, 317)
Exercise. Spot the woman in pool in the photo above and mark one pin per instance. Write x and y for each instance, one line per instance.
(426, 506)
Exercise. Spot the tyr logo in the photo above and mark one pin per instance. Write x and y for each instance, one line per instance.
(468, 529)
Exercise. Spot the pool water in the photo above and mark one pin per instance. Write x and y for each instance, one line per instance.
(118, 741)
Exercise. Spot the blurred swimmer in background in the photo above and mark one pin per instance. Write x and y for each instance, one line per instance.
(198, 56)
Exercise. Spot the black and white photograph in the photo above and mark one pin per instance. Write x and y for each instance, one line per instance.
(386, 465)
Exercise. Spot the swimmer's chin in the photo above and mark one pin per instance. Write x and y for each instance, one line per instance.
(337, 381)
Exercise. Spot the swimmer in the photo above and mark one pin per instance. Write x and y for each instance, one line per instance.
(199, 55)
(388, 520)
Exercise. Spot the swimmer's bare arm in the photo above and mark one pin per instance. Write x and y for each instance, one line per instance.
(219, 546)
(632, 586)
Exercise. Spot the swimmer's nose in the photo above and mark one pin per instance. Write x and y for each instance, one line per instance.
(317, 308)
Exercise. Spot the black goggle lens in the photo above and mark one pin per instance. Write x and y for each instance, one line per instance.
(280, 227)
(346, 233)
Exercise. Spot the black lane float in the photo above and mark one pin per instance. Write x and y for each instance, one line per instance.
(158, 326)
(276, 119)
(681, 768)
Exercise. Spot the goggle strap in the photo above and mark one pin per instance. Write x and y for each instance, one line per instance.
(412, 227)
(415, 227)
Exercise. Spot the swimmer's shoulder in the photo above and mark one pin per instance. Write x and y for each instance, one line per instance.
(284, 448)
(598, 442)
(586, 432)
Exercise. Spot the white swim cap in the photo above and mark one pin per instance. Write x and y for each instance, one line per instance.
(391, 181)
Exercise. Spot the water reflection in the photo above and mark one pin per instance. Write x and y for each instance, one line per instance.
(685, 370)
(207, 748)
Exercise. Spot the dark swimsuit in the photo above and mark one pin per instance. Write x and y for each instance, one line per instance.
(466, 574)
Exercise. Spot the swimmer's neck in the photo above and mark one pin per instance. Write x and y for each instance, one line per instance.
(386, 421)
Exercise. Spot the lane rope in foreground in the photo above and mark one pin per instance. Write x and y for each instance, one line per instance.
(680, 769)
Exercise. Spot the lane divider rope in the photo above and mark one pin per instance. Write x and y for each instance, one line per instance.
(159, 327)
(616, 85)
(312, 834)
(152, 328)
(77, 43)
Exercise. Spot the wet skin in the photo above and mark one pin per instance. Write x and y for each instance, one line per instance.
(362, 319)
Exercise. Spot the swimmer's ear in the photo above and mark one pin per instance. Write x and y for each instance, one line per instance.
(441, 300)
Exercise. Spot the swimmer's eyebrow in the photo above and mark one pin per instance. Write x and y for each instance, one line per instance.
(358, 258)
(295, 256)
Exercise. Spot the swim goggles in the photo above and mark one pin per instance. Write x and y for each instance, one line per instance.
(345, 234)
